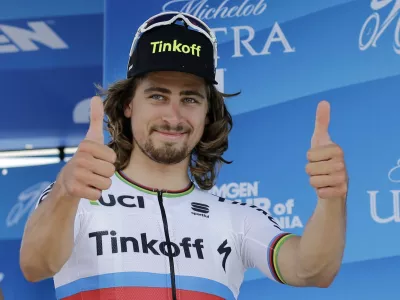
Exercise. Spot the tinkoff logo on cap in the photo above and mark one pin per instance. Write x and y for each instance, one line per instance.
(161, 46)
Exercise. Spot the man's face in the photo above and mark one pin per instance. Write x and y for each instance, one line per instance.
(168, 115)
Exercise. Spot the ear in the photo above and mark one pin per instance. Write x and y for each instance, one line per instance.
(207, 120)
(128, 110)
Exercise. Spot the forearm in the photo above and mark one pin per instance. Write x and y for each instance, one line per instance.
(322, 244)
(48, 237)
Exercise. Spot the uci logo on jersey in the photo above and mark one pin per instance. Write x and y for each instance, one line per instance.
(161, 46)
(123, 200)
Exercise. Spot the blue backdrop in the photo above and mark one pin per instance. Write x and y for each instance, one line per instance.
(50, 58)
(284, 56)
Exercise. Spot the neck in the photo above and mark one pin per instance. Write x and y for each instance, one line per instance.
(146, 172)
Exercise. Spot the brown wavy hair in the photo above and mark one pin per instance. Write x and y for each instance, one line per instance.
(206, 158)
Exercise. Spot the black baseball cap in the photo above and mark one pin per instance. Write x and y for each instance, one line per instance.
(173, 47)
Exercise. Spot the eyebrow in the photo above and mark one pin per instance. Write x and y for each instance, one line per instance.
(167, 91)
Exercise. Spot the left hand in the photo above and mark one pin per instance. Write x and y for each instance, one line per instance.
(326, 167)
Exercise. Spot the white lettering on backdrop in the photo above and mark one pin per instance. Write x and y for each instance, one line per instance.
(242, 35)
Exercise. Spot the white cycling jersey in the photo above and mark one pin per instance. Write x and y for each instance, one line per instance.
(135, 243)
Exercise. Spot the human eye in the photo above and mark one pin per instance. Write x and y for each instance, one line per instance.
(190, 100)
(157, 97)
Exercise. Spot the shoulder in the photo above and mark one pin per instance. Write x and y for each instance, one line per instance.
(237, 209)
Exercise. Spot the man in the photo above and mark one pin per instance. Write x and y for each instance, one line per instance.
(126, 221)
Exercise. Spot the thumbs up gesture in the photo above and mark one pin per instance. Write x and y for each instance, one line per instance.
(89, 171)
(326, 165)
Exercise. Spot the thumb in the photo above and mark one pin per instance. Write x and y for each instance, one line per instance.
(321, 135)
(95, 132)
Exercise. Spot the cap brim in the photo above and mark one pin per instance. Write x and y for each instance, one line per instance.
(172, 69)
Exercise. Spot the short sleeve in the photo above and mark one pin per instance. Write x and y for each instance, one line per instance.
(43, 196)
(262, 238)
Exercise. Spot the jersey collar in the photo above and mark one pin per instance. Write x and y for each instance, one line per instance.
(166, 193)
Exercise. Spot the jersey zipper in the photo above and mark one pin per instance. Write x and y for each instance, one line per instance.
(168, 241)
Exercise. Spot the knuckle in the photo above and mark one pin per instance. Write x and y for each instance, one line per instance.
(339, 151)
(113, 156)
(100, 183)
(344, 190)
(110, 170)
(308, 169)
(84, 146)
(340, 165)
(108, 183)
(81, 160)
(342, 178)
(97, 194)
(309, 154)
(321, 193)
(93, 194)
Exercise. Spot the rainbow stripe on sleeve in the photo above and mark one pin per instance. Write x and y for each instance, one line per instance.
(273, 251)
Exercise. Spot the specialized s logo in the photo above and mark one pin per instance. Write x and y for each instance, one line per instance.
(224, 250)
(161, 46)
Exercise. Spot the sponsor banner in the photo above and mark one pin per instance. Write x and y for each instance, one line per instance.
(51, 42)
(278, 143)
(351, 65)
(347, 52)
(284, 211)
(57, 60)
(11, 9)
(279, 47)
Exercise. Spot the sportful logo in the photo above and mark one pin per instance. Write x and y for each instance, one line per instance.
(161, 46)
(200, 209)
(124, 244)
(15, 39)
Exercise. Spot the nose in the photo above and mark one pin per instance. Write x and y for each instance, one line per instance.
(173, 114)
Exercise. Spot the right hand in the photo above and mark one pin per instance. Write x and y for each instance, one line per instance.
(88, 172)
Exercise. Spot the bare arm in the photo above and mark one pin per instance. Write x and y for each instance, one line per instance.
(49, 236)
(49, 233)
(315, 258)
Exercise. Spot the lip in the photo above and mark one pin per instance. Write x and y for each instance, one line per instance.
(170, 135)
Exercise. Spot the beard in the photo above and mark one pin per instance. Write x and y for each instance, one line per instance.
(168, 154)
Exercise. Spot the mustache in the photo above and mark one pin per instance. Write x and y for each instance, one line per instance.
(172, 129)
